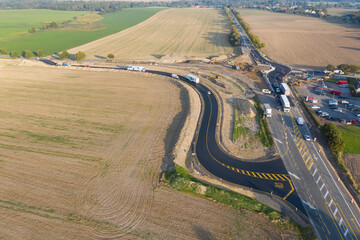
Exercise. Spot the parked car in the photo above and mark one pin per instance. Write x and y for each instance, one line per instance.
(324, 114)
(277, 90)
(315, 107)
(342, 120)
(337, 110)
(358, 119)
(333, 107)
(343, 97)
(357, 114)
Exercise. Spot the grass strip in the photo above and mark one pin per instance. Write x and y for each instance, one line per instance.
(264, 133)
(182, 181)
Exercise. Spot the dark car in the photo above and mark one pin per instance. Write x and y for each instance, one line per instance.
(332, 106)
(275, 85)
(343, 97)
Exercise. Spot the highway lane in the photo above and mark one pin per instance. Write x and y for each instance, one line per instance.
(326, 200)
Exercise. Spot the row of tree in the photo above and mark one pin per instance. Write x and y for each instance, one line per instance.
(254, 39)
(234, 36)
(346, 68)
(27, 53)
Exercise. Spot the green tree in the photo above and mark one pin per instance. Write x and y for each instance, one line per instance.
(80, 56)
(330, 67)
(32, 30)
(14, 54)
(64, 55)
(27, 54)
(333, 136)
(39, 53)
(110, 56)
(3, 51)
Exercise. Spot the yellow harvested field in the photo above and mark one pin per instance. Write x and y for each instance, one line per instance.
(299, 40)
(80, 156)
(174, 33)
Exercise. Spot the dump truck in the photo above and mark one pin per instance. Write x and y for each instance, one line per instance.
(285, 103)
(285, 89)
(192, 78)
(267, 110)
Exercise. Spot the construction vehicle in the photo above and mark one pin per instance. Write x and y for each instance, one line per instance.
(213, 61)
(328, 76)
(295, 83)
(217, 77)
(310, 76)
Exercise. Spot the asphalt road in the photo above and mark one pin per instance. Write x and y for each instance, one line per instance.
(318, 195)
(327, 203)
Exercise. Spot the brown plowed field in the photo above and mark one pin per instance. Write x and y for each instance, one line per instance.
(174, 33)
(80, 157)
(299, 40)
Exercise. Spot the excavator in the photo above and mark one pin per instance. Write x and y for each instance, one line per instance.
(328, 76)
(217, 77)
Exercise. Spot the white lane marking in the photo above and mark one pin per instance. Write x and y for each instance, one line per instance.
(318, 179)
(314, 172)
(326, 195)
(296, 177)
(278, 140)
(322, 186)
(308, 204)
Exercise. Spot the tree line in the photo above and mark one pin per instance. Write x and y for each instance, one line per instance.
(346, 68)
(234, 36)
(254, 39)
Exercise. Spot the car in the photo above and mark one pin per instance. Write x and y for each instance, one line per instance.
(86, 65)
(333, 107)
(277, 90)
(208, 92)
(343, 97)
(275, 85)
(344, 102)
(342, 120)
(315, 107)
(337, 110)
(267, 91)
(324, 114)
(358, 119)
(307, 137)
(174, 76)
(357, 114)
(348, 123)
(300, 121)
(353, 121)
(318, 112)
(283, 73)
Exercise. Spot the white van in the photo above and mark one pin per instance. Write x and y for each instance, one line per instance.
(174, 76)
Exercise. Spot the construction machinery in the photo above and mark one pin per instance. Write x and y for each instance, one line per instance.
(297, 83)
(213, 61)
(328, 76)
(217, 77)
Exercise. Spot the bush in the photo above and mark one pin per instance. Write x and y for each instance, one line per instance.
(27, 54)
(3, 51)
(80, 56)
(348, 68)
(14, 54)
(64, 55)
(333, 137)
(330, 67)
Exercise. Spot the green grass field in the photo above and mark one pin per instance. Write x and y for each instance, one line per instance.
(55, 41)
(351, 135)
(16, 22)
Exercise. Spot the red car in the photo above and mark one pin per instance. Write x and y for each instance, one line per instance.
(86, 65)
(283, 73)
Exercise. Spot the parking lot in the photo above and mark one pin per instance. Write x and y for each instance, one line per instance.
(345, 108)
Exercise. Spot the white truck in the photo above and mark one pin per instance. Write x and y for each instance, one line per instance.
(285, 103)
(192, 78)
(267, 110)
(135, 68)
(285, 89)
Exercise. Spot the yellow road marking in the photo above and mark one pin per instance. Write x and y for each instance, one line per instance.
(292, 189)
(274, 176)
(279, 176)
(269, 176)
